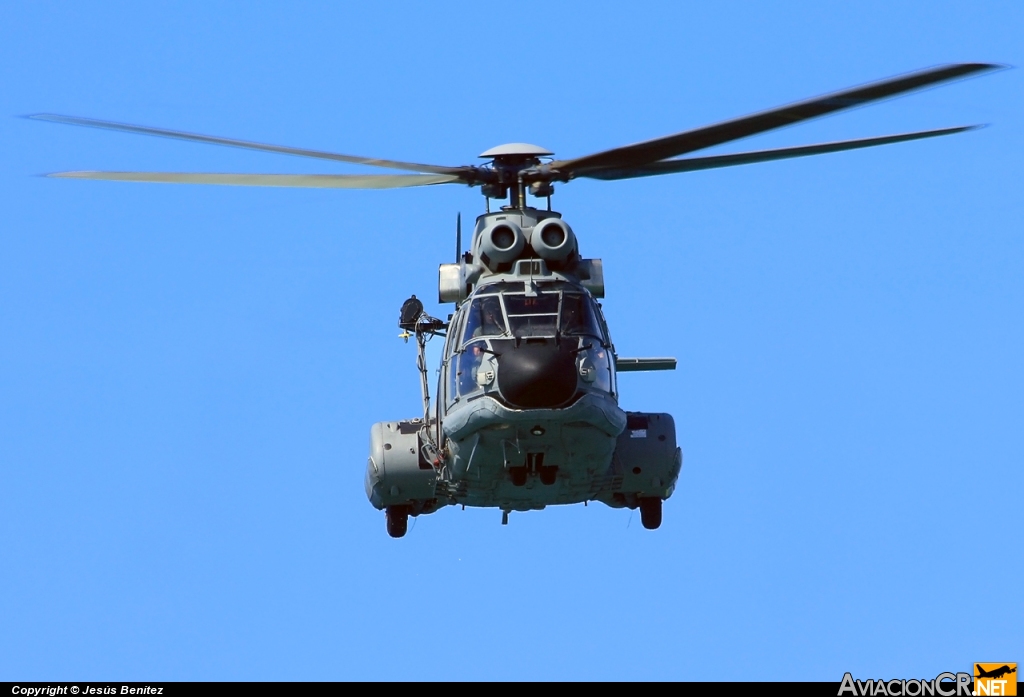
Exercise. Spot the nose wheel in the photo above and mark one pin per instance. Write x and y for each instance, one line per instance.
(397, 520)
(548, 475)
(650, 512)
(518, 475)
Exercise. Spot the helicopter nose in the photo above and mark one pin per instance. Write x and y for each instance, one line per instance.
(537, 374)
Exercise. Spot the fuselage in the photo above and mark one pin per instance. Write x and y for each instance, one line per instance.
(527, 401)
(526, 412)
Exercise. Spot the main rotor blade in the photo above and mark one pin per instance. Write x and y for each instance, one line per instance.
(745, 158)
(306, 181)
(725, 131)
(280, 149)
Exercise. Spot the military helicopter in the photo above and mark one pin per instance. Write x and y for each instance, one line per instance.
(526, 413)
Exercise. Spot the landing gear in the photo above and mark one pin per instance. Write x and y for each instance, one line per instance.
(650, 512)
(518, 475)
(398, 520)
(547, 475)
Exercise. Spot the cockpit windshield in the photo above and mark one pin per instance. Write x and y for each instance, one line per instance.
(485, 318)
(558, 311)
(533, 315)
(578, 317)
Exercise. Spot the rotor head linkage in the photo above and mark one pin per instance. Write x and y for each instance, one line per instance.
(515, 166)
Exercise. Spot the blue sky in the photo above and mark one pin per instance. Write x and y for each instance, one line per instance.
(188, 374)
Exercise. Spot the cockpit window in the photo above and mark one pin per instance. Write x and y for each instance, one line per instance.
(470, 361)
(555, 310)
(578, 316)
(546, 304)
(533, 315)
(484, 318)
(507, 287)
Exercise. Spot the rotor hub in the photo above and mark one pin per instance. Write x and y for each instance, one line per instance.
(516, 149)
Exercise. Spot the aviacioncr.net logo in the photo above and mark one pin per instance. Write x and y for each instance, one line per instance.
(942, 685)
(995, 679)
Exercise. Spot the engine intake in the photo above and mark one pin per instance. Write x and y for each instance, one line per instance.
(553, 240)
(501, 242)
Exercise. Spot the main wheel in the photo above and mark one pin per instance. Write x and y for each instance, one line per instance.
(650, 512)
(398, 520)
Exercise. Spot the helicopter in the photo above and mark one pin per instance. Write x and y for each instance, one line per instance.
(526, 413)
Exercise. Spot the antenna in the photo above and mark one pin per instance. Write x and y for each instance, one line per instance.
(458, 237)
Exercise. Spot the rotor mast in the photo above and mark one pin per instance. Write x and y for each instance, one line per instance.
(516, 166)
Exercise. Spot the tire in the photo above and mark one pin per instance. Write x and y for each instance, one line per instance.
(650, 512)
(397, 520)
(548, 475)
(518, 475)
